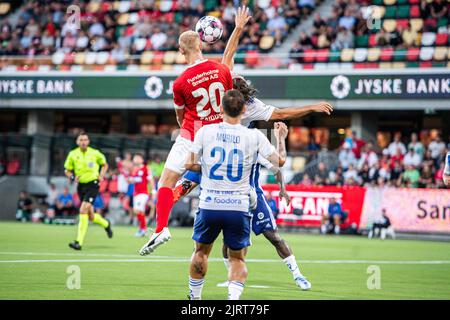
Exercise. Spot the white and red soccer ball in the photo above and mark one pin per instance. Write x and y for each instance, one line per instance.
(209, 29)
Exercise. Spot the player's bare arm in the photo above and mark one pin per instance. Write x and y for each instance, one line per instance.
(241, 19)
(192, 163)
(283, 193)
(298, 112)
(281, 132)
(180, 116)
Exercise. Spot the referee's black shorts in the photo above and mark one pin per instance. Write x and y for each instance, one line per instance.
(88, 191)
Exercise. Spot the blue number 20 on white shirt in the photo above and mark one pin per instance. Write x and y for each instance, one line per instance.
(230, 160)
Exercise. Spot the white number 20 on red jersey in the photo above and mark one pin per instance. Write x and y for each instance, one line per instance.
(210, 96)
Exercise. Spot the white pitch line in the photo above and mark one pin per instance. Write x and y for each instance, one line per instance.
(82, 254)
(144, 260)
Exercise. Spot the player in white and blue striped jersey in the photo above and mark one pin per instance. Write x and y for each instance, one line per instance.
(227, 153)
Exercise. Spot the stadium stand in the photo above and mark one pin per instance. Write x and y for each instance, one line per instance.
(389, 33)
(113, 34)
(145, 33)
(358, 163)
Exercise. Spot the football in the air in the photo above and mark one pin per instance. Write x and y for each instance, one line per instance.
(209, 29)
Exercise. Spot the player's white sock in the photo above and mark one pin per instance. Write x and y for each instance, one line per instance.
(235, 289)
(292, 265)
(227, 263)
(195, 288)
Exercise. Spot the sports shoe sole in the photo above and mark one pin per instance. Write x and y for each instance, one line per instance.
(146, 250)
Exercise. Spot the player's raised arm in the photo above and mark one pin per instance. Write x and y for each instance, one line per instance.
(281, 132)
(276, 156)
(298, 112)
(242, 17)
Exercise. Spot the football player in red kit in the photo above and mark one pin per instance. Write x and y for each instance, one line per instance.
(140, 177)
(197, 94)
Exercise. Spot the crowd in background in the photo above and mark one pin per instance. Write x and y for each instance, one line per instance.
(410, 165)
(348, 21)
(43, 27)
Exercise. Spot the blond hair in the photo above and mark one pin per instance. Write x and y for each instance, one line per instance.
(189, 42)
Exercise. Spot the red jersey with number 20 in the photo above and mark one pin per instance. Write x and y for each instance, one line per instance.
(140, 178)
(199, 91)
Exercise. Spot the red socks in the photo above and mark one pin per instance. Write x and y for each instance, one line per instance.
(142, 222)
(164, 205)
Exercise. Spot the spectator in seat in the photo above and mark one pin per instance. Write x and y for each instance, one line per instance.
(321, 176)
(436, 147)
(381, 226)
(426, 177)
(368, 156)
(410, 37)
(318, 23)
(425, 9)
(416, 145)
(396, 174)
(306, 180)
(438, 9)
(395, 37)
(325, 38)
(336, 178)
(344, 40)
(64, 203)
(292, 14)
(428, 160)
(412, 158)
(333, 21)
(277, 27)
(351, 176)
(374, 173)
(364, 174)
(334, 217)
(24, 207)
(348, 20)
(346, 156)
(307, 6)
(158, 39)
(305, 41)
(396, 144)
(411, 177)
(52, 196)
(361, 27)
(356, 144)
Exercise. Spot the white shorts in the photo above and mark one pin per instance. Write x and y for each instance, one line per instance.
(178, 154)
(140, 202)
(122, 184)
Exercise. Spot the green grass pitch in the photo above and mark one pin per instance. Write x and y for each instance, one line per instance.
(34, 261)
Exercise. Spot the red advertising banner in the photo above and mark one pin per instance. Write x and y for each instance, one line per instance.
(313, 203)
